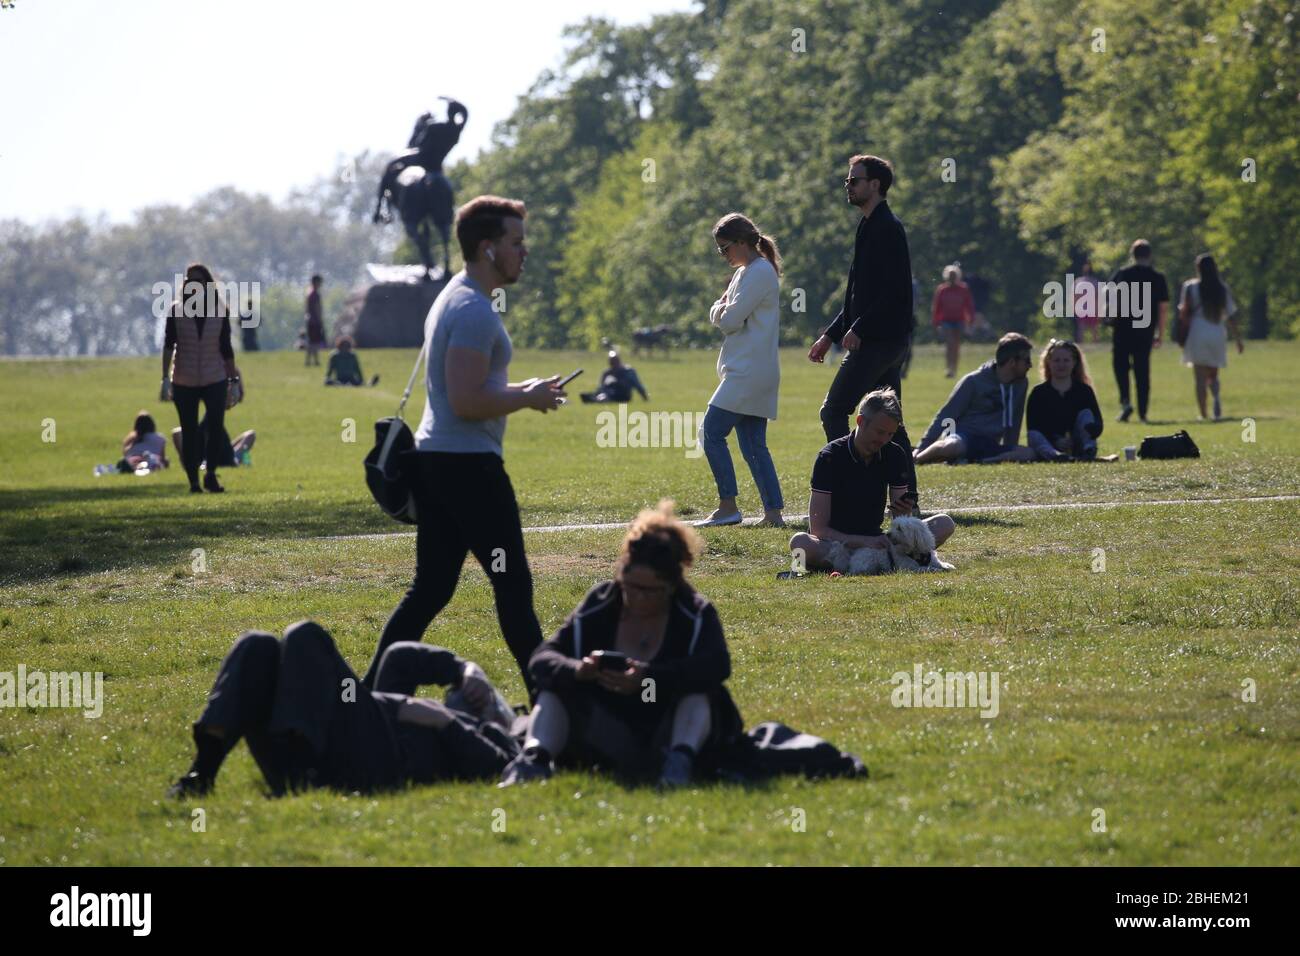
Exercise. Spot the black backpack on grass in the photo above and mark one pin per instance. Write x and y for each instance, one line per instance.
(1177, 445)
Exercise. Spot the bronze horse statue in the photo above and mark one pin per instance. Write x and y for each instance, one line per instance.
(414, 183)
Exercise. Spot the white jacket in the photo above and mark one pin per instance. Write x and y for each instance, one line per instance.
(749, 364)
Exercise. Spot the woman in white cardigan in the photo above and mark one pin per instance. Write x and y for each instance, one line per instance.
(748, 315)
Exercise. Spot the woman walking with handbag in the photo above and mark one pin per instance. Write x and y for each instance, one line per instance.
(198, 365)
(748, 315)
(1205, 307)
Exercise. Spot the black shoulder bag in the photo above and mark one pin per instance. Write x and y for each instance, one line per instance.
(384, 477)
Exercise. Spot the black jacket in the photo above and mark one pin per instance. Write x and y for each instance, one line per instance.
(694, 656)
(878, 297)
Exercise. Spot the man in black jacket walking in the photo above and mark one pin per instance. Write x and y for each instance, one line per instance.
(876, 322)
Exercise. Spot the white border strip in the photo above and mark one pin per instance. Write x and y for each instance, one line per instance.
(976, 509)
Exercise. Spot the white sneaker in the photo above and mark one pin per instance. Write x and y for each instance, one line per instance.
(713, 521)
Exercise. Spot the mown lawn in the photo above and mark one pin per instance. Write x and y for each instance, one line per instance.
(1121, 690)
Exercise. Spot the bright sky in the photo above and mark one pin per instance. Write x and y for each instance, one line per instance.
(109, 105)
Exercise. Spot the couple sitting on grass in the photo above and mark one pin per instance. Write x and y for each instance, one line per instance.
(633, 682)
(981, 419)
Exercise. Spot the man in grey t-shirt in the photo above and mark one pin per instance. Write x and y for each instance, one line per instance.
(463, 496)
(462, 317)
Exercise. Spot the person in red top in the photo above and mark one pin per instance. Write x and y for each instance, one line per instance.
(954, 310)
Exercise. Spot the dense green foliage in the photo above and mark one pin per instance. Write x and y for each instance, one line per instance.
(1062, 143)
(1028, 136)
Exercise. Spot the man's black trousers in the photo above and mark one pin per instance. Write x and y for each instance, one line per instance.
(465, 503)
(1138, 352)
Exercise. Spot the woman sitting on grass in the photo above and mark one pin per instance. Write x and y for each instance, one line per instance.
(633, 680)
(1063, 420)
(309, 721)
(143, 444)
(344, 366)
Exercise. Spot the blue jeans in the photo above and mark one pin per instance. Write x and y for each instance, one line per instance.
(751, 433)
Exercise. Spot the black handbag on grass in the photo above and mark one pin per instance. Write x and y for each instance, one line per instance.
(388, 485)
(1177, 445)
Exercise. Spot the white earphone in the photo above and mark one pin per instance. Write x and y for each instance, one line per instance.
(491, 254)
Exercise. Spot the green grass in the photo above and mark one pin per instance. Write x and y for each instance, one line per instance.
(1122, 689)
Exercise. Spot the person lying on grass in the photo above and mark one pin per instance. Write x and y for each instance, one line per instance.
(852, 479)
(633, 680)
(309, 722)
(981, 419)
(233, 453)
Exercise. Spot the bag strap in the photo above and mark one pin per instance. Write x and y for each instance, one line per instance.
(392, 432)
(410, 383)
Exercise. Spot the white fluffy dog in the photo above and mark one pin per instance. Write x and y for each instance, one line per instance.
(911, 548)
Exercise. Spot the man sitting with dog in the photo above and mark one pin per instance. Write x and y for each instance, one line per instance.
(852, 479)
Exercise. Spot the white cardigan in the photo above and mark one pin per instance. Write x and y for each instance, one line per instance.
(749, 364)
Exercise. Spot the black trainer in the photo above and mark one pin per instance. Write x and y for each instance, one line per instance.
(528, 766)
(190, 785)
(677, 771)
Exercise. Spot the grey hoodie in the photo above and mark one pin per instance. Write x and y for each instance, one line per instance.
(981, 405)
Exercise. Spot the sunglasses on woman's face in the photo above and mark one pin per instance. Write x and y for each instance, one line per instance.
(722, 249)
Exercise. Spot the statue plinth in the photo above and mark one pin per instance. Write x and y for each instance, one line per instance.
(389, 311)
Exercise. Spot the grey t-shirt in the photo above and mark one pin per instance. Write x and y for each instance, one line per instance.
(461, 317)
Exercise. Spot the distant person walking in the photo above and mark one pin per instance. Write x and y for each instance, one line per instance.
(464, 499)
(1086, 297)
(1139, 329)
(198, 363)
(1205, 310)
(749, 365)
(876, 321)
(953, 313)
(315, 323)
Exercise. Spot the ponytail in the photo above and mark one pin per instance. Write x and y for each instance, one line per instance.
(768, 250)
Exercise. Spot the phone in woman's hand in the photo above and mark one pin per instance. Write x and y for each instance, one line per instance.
(610, 660)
